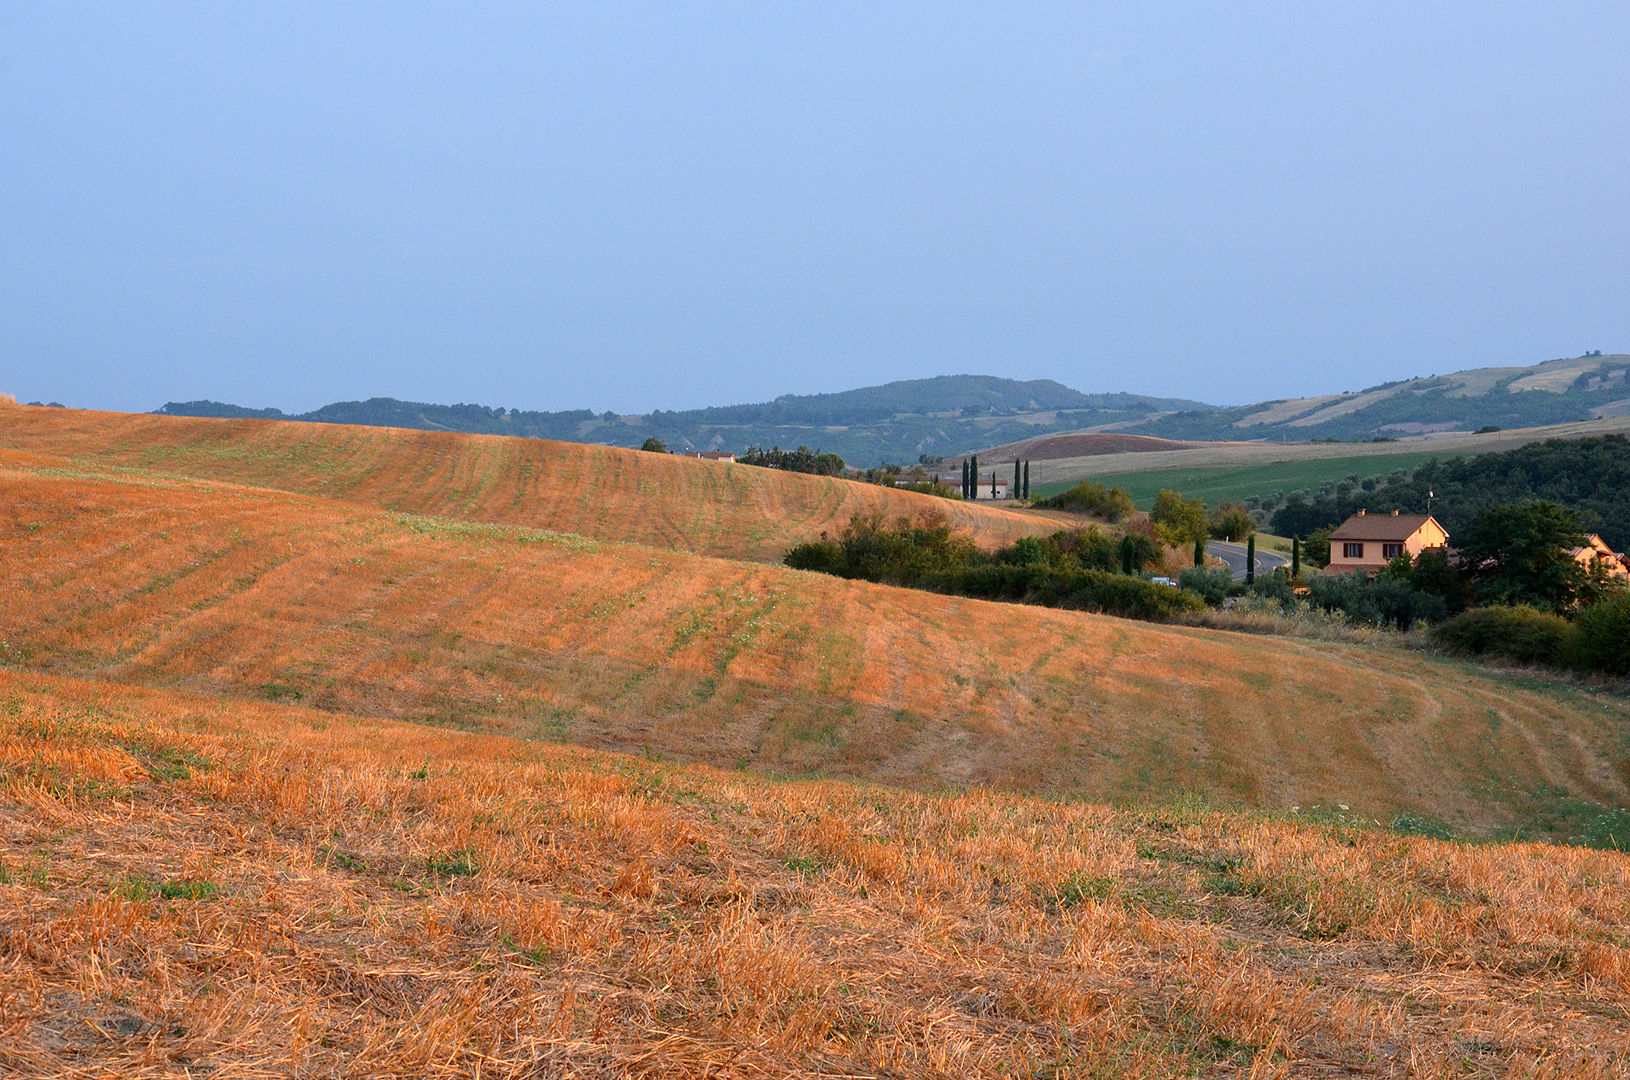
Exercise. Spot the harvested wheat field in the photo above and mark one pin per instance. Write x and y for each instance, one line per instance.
(715, 508)
(195, 887)
(257, 594)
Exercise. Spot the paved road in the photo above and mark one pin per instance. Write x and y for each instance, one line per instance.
(1234, 556)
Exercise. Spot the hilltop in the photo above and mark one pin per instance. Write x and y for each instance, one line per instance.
(659, 500)
(897, 421)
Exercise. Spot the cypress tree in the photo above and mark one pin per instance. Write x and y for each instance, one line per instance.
(1296, 556)
(1126, 554)
(1018, 488)
(973, 476)
(1027, 478)
(1250, 559)
(1199, 551)
(964, 478)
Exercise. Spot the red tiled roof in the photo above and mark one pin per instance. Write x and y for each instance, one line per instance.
(1397, 527)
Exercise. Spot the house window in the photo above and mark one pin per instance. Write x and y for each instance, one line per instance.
(1391, 551)
(1352, 551)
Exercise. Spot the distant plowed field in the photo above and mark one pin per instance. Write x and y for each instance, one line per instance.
(1080, 444)
(734, 511)
(252, 593)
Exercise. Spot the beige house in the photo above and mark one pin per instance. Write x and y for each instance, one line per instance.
(1596, 552)
(711, 455)
(1370, 541)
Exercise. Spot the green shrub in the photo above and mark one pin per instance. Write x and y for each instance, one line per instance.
(1603, 641)
(1385, 600)
(1212, 586)
(1524, 634)
(899, 553)
(1081, 590)
(1111, 504)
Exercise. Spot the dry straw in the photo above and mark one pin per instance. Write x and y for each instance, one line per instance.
(204, 888)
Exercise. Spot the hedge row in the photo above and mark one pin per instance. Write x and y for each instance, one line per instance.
(1080, 590)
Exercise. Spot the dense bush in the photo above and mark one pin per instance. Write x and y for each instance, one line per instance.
(1067, 549)
(1231, 521)
(1111, 504)
(1211, 586)
(1603, 642)
(1524, 634)
(1385, 600)
(903, 552)
(1083, 590)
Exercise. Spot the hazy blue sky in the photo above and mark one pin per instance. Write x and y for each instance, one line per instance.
(621, 206)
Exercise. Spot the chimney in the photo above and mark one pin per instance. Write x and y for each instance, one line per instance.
(1361, 513)
(1395, 513)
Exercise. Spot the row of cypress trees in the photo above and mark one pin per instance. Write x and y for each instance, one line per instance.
(970, 478)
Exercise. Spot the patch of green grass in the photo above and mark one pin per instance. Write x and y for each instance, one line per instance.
(1417, 825)
(456, 864)
(188, 890)
(802, 864)
(1217, 485)
(141, 890)
(1078, 888)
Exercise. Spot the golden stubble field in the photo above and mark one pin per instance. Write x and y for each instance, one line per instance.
(713, 508)
(198, 887)
(264, 595)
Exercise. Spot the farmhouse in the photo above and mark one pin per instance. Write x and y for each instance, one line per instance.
(712, 455)
(1596, 553)
(1370, 541)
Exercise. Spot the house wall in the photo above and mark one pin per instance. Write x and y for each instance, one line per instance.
(1427, 536)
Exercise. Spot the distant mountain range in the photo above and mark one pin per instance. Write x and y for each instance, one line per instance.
(896, 422)
(954, 414)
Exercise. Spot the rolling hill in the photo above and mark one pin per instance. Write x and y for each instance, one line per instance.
(735, 511)
(666, 813)
(260, 594)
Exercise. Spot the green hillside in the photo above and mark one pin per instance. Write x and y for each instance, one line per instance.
(1554, 392)
(1222, 485)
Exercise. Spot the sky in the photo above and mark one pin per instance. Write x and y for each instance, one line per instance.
(638, 206)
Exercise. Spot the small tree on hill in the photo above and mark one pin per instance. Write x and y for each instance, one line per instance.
(655, 445)
(1231, 521)
(1177, 520)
